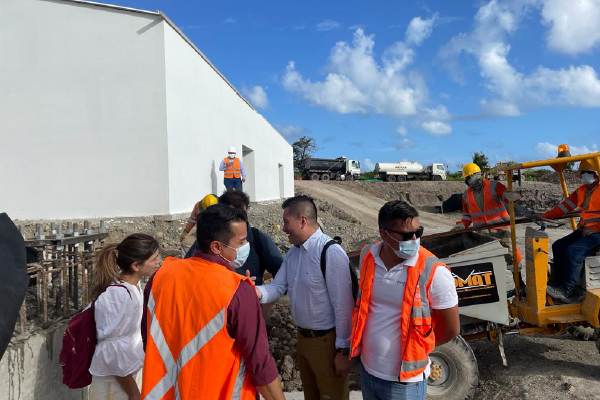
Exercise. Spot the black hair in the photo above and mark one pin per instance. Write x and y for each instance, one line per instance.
(235, 199)
(395, 210)
(214, 224)
(301, 205)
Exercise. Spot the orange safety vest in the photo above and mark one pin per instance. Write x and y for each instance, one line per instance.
(494, 211)
(590, 216)
(232, 171)
(418, 337)
(189, 354)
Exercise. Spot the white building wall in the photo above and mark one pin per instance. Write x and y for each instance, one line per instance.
(82, 111)
(205, 116)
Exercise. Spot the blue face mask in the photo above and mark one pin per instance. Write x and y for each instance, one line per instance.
(241, 253)
(406, 249)
(588, 178)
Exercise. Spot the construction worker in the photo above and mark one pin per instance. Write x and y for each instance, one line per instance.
(570, 251)
(407, 306)
(483, 204)
(204, 333)
(321, 306)
(185, 240)
(234, 174)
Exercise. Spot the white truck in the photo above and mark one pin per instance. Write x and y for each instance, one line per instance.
(405, 170)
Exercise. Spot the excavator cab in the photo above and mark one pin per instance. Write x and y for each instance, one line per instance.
(536, 311)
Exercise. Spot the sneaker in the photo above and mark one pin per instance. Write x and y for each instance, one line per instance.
(558, 294)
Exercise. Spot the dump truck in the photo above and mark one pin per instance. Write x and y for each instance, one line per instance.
(330, 169)
(486, 309)
(407, 170)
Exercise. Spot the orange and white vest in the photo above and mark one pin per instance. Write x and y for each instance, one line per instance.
(494, 211)
(189, 353)
(232, 171)
(418, 337)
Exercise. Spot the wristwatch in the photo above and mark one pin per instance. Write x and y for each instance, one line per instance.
(345, 351)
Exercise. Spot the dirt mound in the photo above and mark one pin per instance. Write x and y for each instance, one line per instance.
(571, 177)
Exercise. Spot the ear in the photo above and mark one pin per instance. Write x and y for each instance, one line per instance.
(135, 267)
(216, 247)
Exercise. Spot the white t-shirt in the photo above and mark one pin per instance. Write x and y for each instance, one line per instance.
(382, 337)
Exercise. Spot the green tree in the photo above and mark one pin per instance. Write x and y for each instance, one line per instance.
(481, 159)
(303, 148)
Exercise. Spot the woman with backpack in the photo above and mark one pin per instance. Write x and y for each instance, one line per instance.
(119, 354)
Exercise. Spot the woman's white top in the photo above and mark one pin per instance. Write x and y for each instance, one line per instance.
(119, 351)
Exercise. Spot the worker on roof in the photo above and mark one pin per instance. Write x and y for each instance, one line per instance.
(483, 204)
(207, 201)
(234, 174)
(570, 251)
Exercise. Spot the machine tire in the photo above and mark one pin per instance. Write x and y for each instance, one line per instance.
(437, 178)
(597, 338)
(391, 178)
(314, 176)
(349, 177)
(325, 177)
(460, 375)
(402, 178)
(581, 332)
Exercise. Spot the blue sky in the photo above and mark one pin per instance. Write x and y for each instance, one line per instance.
(425, 81)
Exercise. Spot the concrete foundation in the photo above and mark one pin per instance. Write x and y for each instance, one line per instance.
(30, 368)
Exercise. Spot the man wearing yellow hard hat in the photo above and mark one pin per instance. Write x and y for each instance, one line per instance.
(483, 204)
(570, 251)
(207, 201)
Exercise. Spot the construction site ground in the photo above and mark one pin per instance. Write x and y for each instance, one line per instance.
(539, 367)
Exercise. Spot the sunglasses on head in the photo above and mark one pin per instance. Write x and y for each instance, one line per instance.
(408, 235)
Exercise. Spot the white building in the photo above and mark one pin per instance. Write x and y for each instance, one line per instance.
(110, 111)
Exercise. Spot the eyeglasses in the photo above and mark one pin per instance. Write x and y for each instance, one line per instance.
(407, 235)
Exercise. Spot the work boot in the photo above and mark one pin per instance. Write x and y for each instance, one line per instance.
(558, 294)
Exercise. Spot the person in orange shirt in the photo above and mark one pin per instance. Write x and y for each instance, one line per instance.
(570, 252)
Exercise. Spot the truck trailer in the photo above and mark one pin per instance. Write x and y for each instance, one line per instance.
(405, 170)
(330, 169)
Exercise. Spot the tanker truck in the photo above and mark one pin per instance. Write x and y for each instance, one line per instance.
(330, 169)
(405, 170)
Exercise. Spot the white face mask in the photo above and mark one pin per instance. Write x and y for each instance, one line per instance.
(232, 155)
(588, 178)
(407, 249)
(241, 255)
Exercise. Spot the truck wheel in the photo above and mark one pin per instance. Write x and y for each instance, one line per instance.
(454, 372)
(401, 178)
(349, 177)
(314, 176)
(437, 178)
(582, 332)
(325, 177)
(391, 178)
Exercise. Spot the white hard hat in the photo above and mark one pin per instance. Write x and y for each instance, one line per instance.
(231, 149)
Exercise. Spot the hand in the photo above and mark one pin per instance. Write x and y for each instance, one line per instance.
(252, 278)
(588, 230)
(182, 236)
(459, 227)
(342, 364)
(244, 180)
(258, 293)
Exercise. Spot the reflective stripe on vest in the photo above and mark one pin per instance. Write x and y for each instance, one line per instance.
(494, 211)
(590, 214)
(232, 171)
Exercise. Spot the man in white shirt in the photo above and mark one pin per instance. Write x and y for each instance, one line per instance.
(321, 307)
(407, 306)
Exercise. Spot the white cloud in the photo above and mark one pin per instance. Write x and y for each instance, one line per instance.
(419, 29)
(437, 128)
(515, 92)
(367, 165)
(405, 143)
(574, 24)
(229, 21)
(402, 132)
(549, 150)
(291, 132)
(257, 96)
(327, 25)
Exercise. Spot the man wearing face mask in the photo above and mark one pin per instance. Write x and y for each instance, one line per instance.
(234, 173)
(483, 204)
(570, 252)
(203, 330)
(407, 306)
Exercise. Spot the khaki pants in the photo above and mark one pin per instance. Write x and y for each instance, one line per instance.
(108, 388)
(317, 371)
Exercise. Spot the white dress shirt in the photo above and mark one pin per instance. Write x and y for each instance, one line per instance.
(316, 304)
(382, 338)
(119, 351)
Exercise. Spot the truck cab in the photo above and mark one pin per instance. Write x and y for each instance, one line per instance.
(436, 171)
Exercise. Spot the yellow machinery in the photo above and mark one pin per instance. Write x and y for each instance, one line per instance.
(533, 309)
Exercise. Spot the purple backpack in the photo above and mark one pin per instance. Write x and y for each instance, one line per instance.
(79, 344)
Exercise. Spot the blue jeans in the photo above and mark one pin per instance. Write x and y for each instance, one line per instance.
(569, 255)
(374, 388)
(233, 183)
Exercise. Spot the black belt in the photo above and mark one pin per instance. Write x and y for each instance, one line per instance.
(313, 333)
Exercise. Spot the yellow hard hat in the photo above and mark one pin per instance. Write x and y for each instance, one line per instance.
(470, 169)
(208, 201)
(586, 165)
